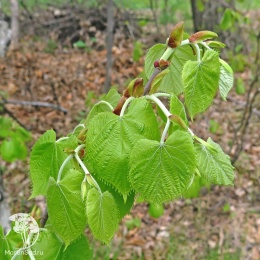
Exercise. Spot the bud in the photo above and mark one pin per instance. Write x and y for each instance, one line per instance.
(178, 120)
(176, 35)
(134, 89)
(156, 64)
(163, 64)
(202, 36)
(84, 190)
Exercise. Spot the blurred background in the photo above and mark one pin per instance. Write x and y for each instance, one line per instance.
(58, 58)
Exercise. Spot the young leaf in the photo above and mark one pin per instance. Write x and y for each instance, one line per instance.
(111, 138)
(134, 89)
(96, 109)
(172, 82)
(201, 80)
(213, 164)
(65, 206)
(176, 35)
(45, 161)
(153, 55)
(226, 79)
(112, 97)
(177, 108)
(202, 36)
(70, 143)
(123, 206)
(157, 81)
(102, 214)
(161, 173)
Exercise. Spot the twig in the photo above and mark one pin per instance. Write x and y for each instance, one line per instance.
(148, 84)
(35, 104)
(5, 110)
(110, 41)
(44, 218)
(243, 104)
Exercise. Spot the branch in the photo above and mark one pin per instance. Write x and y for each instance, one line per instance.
(148, 84)
(5, 110)
(35, 104)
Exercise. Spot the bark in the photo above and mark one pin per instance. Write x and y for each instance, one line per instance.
(110, 41)
(14, 24)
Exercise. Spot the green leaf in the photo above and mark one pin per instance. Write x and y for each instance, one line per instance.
(112, 97)
(70, 143)
(177, 108)
(213, 164)
(12, 150)
(96, 109)
(157, 81)
(21, 134)
(161, 173)
(77, 250)
(48, 246)
(65, 206)
(124, 207)
(102, 214)
(111, 138)
(226, 79)
(201, 80)
(79, 44)
(6, 124)
(240, 87)
(153, 54)
(46, 158)
(227, 20)
(172, 82)
(197, 184)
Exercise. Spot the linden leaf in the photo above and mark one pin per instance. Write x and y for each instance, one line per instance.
(102, 214)
(65, 206)
(111, 138)
(213, 164)
(201, 80)
(161, 173)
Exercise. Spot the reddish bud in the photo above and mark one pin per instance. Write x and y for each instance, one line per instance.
(202, 36)
(176, 35)
(156, 64)
(135, 88)
(163, 64)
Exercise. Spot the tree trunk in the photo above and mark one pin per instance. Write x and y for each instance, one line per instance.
(207, 15)
(110, 40)
(14, 24)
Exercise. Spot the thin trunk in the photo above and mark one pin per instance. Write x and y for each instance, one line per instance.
(110, 40)
(14, 24)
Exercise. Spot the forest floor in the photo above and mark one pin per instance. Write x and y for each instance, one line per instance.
(223, 223)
